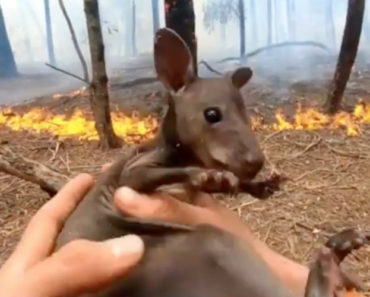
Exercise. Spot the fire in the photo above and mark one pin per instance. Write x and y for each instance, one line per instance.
(313, 119)
(73, 94)
(282, 123)
(132, 129)
(135, 129)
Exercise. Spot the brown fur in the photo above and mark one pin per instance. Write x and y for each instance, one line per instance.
(217, 157)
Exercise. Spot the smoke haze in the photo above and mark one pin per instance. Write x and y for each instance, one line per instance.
(25, 21)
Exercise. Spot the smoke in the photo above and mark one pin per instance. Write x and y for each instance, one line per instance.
(308, 20)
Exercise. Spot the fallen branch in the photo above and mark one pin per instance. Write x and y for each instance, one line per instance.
(67, 73)
(150, 80)
(135, 82)
(209, 67)
(274, 46)
(308, 148)
(74, 40)
(47, 178)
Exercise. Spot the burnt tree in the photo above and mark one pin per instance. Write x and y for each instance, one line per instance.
(99, 86)
(269, 22)
(253, 14)
(133, 29)
(25, 31)
(180, 17)
(155, 13)
(347, 56)
(276, 20)
(75, 41)
(8, 69)
(49, 33)
(291, 19)
(242, 27)
(329, 20)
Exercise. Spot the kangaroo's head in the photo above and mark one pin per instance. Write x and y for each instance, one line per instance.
(209, 115)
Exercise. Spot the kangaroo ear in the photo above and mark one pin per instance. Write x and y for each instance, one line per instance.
(241, 76)
(172, 59)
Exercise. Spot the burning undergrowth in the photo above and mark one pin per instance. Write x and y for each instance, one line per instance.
(134, 129)
(313, 119)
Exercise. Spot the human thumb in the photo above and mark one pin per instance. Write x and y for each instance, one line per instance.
(85, 266)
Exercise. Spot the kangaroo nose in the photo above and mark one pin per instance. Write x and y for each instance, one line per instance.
(254, 163)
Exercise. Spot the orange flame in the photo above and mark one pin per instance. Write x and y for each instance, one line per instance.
(73, 94)
(131, 128)
(313, 119)
(134, 129)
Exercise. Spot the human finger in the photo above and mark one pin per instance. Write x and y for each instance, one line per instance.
(39, 236)
(84, 267)
(159, 206)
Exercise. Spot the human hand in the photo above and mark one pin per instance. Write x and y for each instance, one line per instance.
(165, 206)
(79, 267)
(205, 210)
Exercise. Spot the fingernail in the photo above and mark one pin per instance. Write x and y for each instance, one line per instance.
(130, 245)
(128, 197)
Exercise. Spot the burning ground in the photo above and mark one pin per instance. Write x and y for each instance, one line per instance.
(326, 159)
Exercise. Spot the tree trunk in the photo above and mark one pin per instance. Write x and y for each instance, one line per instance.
(99, 87)
(291, 19)
(366, 25)
(126, 12)
(49, 33)
(155, 12)
(276, 20)
(133, 32)
(8, 68)
(348, 53)
(330, 28)
(242, 27)
(253, 10)
(75, 41)
(269, 22)
(180, 17)
(25, 31)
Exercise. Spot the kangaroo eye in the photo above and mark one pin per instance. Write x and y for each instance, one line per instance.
(213, 115)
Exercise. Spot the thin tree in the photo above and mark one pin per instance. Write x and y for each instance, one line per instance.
(99, 85)
(242, 27)
(180, 17)
(133, 32)
(348, 53)
(329, 20)
(291, 19)
(276, 20)
(75, 42)
(155, 13)
(25, 31)
(49, 32)
(269, 22)
(8, 68)
(253, 14)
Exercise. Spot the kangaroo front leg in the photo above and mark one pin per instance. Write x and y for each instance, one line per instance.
(263, 189)
(147, 179)
(326, 278)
